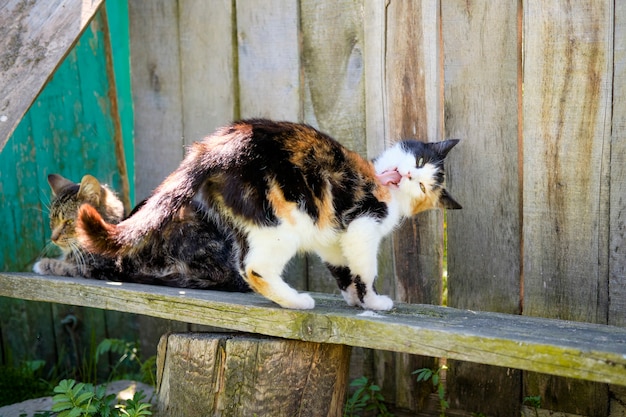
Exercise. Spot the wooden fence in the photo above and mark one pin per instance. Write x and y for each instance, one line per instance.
(536, 91)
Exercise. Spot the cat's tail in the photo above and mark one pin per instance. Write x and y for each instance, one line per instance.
(97, 236)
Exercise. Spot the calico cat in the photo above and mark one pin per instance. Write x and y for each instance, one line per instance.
(188, 252)
(285, 188)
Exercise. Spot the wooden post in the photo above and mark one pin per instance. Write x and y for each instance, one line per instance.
(200, 374)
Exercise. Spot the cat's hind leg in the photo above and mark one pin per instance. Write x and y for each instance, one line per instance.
(269, 251)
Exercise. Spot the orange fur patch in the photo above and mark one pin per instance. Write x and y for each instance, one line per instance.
(257, 283)
(282, 208)
(326, 210)
(367, 168)
(426, 203)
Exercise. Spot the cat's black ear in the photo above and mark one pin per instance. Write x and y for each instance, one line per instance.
(447, 202)
(443, 147)
(57, 183)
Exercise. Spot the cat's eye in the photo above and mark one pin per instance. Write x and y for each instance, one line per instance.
(420, 162)
(422, 188)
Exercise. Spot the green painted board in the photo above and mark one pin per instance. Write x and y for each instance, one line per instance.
(68, 130)
(71, 129)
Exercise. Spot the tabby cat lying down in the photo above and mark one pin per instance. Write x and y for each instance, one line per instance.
(186, 252)
(282, 188)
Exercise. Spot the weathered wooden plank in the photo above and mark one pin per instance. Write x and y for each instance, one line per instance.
(617, 222)
(484, 238)
(155, 66)
(207, 45)
(332, 60)
(269, 84)
(269, 60)
(332, 63)
(68, 130)
(118, 36)
(34, 37)
(617, 216)
(413, 109)
(566, 106)
(580, 350)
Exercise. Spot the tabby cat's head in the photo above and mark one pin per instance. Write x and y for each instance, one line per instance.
(67, 199)
(421, 175)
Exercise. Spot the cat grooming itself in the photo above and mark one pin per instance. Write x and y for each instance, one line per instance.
(284, 188)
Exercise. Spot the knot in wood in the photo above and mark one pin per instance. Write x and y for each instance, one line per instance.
(316, 328)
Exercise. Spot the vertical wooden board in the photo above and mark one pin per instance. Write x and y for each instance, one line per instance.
(68, 130)
(155, 66)
(412, 77)
(51, 136)
(118, 30)
(617, 216)
(268, 60)
(332, 61)
(413, 83)
(481, 108)
(374, 42)
(207, 44)
(23, 213)
(617, 219)
(567, 98)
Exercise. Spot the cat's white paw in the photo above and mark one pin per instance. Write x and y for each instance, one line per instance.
(299, 302)
(37, 268)
(377, 302)
(350, 296)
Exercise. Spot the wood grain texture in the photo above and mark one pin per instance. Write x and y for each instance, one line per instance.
(207, 45)
(580, 350)
(157, 96)
(617, 217)
(269, 60)
(333, 82)
(617, 220)
(35, 36)
(481, 103)
(412, 97)
(567, 106)
(250, 375)
(332, 61)
(70, 129)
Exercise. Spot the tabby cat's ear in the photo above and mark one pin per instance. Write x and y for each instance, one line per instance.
(90, 190)
(57, 183)
(447, 202)
(443, 147)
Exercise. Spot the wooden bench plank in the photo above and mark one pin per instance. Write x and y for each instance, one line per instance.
(579, 350)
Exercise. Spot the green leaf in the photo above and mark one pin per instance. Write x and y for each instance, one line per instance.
(84, 397)
(61, 405)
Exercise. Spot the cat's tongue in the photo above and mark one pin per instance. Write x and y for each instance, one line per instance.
(389, 177)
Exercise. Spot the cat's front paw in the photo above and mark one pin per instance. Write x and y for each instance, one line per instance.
(377, 302)
(299, 302)
(38, 268)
